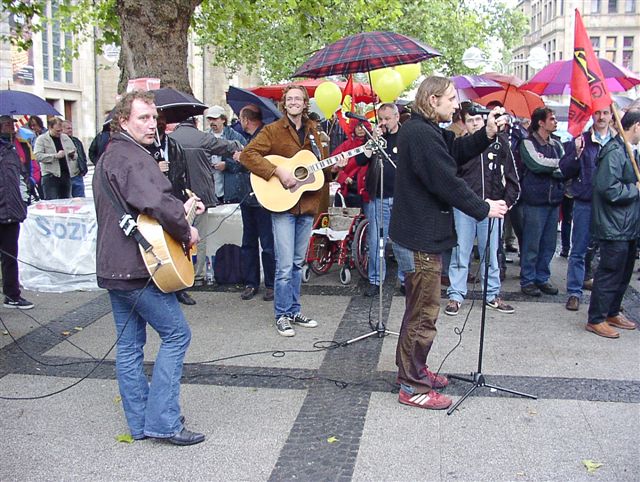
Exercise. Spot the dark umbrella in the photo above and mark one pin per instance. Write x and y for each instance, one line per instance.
(238, 98)
(15, 102)
(176, 105)
(471, 87)
(364, 52)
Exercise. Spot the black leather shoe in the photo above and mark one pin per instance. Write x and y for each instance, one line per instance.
(372, 290)
(185, 298)
(248, 293)
(268, 294)
(186, 437)
(531, 290)
(547, 288)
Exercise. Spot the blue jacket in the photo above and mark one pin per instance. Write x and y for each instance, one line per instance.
(542, 182)
(233, 192)
(582, 169)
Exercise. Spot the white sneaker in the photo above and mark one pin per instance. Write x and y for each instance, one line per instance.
(301, 320)
(283, 325)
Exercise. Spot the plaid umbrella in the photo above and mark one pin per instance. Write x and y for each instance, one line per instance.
(364, 52)
(555, 78)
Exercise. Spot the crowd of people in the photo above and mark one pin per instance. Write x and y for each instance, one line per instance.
(442, 181)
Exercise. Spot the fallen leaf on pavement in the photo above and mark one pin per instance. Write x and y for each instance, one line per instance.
(332, 440)
(117, 399)
(66, 333)
(126, 438)
(78, 328)
(591, 465)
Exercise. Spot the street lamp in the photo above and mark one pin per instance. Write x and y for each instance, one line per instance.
(474, 58)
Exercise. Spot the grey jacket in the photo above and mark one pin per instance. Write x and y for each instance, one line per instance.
(45, 153)
(198, 148)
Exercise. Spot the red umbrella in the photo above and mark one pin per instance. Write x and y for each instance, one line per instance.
(555, 78)
(361, 92)
(515, 101)
(364, 52)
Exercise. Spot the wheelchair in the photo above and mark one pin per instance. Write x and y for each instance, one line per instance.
(338, 236)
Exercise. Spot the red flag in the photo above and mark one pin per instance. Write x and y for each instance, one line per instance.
(348, 105)
(589, 91)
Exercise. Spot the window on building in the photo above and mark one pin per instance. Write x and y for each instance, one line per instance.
(561, 7)
(595, 6)
(55, 44)
(630, 6)
(610, 46)
(627, 52)
(613, 6)
(45, 51)
(595, 43)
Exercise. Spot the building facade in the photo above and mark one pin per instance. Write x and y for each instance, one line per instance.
(613, 26)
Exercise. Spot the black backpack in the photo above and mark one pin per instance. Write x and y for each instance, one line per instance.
(226, 268)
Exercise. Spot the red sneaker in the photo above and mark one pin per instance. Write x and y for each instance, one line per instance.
(439, 381)
(432, 400)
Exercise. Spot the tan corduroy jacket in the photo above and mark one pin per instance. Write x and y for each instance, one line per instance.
(280, 138)
(45, 153)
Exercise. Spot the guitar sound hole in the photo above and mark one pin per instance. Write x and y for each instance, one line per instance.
(300, 173)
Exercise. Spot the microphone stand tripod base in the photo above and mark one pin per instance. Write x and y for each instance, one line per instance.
(479, 381)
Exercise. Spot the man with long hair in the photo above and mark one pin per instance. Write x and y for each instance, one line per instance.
(422, 226)
(292, 229)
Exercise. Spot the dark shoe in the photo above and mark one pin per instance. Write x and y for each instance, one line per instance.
(499, 305)
(403, 290)
(444, 280)
(588, 284)
(547, 288)
(186, 437)
(19, 303)
(602, 329)
(248, 293)
(621, 321)
(511, 249)
(185, 298)
(564, 253)
(371, 291)
(573, 303)
(268, 294)
(531, 290)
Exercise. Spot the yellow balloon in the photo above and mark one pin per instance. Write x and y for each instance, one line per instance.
(389, 86)
(408, 72)
(376, 74)
(328, 97)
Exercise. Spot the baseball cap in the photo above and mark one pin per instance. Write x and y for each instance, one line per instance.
(216, 111)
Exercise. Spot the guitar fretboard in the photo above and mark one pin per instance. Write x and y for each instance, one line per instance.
(330, 161)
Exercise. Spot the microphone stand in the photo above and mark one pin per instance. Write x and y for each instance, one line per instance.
(477, 378)
(381, 329)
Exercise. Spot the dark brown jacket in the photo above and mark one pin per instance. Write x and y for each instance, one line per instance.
(280, 138)
(135, 175)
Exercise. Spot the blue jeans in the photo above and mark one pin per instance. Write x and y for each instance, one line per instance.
(256, 231)
(467, 229)
(372, 211)
(539, 236)
(580, 239)
(77, 186)
(152, 410)
(290, 241)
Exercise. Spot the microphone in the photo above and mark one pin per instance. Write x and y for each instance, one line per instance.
(352, 115)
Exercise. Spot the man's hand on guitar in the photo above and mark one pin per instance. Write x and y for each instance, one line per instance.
(194, 237)
(286, 178)
(236, 156)
(189, 202)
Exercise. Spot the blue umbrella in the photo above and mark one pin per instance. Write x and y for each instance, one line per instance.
(237, 98)
(15, 102)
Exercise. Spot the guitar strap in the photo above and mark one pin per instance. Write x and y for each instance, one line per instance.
(127, 223)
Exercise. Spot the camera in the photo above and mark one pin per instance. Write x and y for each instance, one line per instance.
(476, 109)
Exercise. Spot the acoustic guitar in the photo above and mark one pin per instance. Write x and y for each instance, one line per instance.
(168, 261)
(307, 171)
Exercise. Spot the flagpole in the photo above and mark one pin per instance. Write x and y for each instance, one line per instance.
(619, 128)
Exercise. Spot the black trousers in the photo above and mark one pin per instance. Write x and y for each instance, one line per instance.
(611, 279)
(9, 244)
(56, 187)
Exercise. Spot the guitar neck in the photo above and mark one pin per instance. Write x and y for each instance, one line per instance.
(330, 161)
(191, 215)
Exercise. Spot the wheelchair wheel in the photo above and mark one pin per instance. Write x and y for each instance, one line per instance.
(306, 273)
(360, 249)
(322, 255)
(345, 275)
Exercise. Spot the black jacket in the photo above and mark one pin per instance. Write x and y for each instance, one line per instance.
(615, 214)
(427, 185)
(493, 174)
(12, 208)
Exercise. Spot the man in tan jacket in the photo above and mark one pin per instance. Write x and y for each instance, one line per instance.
(58, 160)
(292, 229)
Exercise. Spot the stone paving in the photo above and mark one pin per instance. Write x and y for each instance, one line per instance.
(311, 408)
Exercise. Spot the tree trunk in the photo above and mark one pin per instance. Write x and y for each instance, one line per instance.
(155, 41)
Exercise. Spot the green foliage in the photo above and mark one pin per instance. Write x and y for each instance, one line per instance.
(276, 36)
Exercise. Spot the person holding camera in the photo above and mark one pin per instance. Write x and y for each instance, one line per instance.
(491, 175)
(58, 160)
